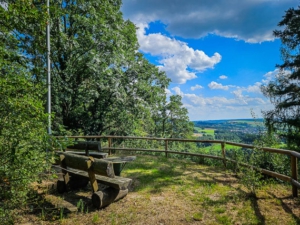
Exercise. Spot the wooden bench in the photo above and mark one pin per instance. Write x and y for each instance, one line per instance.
(118, 162)
(78, 170)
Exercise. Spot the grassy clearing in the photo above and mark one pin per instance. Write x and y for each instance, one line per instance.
(205, 130)
(172, 191)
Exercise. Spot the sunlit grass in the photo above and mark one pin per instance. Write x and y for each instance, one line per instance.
(176, 191)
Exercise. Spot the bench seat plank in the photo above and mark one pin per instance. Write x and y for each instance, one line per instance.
(120, 183)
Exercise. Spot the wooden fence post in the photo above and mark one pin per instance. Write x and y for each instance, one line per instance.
(223, 153)
(109, 145)
(166, 148)
(294, 168)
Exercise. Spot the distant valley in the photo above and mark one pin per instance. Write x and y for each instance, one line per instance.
(236, 130)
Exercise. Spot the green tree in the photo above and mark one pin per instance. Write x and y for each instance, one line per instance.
(171, 119)
(284, 91)
(23, 137)
(100, 84)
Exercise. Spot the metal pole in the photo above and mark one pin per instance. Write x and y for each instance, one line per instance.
(48, 70)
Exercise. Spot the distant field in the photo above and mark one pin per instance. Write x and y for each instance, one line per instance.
(208, 131)
(249, 122)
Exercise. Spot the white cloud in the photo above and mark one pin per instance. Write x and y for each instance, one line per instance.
(219, 107)
(215, 85)
(197, 86)
(270, 76)
(177, 91)
(248, 20)
(254, 88)
(238, 94)
(177, 59)
(168, 92)
(223, 77)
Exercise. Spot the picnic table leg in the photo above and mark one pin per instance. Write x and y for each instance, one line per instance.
(92, 176)
(105, 197)
(62, 185)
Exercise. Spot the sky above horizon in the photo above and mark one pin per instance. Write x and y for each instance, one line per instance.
(217, 53)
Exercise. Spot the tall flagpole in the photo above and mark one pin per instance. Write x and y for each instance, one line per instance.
(48, 70)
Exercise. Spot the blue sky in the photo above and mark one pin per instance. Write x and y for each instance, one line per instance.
(217, 53)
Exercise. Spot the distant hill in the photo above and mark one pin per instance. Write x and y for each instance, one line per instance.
(229, 121)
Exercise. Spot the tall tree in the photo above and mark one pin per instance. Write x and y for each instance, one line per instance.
(171, 119)
(284, 91)
(101, 85)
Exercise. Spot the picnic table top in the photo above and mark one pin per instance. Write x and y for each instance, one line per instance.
(121, 159)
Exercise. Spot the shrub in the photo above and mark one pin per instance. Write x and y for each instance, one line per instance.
(23, 138)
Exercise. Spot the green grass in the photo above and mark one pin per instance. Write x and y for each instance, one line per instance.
(205, 130)
(173, 191)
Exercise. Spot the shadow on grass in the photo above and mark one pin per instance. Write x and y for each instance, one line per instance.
(51, 206)
(286, 207)
(241, 193)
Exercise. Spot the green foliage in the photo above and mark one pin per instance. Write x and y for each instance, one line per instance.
(101, 84)
(23, 137)
(284, 90)
(251, 179)
(171, 119)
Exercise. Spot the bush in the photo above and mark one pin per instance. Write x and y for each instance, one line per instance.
(23, 138)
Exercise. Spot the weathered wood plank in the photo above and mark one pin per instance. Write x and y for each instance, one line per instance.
(92, 176)
(105, 197)
(65, 173)
(98, 155)
(120, 183)
(98, 166)
(103, 167)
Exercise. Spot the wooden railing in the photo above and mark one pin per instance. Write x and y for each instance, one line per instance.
(164, 148)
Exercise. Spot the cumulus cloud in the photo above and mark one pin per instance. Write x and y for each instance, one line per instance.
(220, 101)
(270, 76)
(168, 92)
(248, 20)
(237, 106)
(254, 88)
(177, 91)
(238, 93)
(215, 85)
(177, 59)
(223, 77)
(197, 86)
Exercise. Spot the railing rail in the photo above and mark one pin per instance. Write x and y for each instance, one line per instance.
(293, 155)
